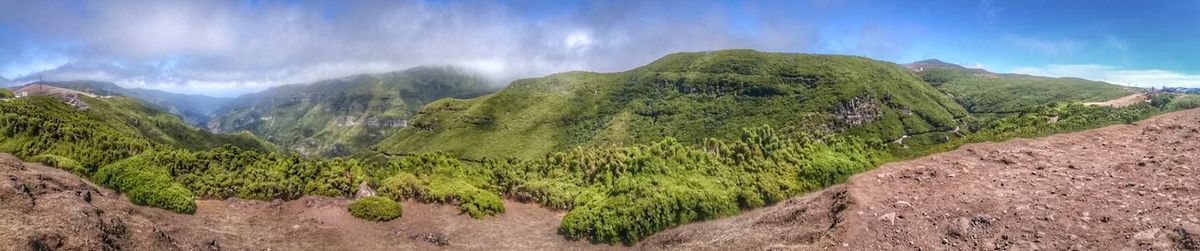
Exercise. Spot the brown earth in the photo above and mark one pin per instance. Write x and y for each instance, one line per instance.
(1121, 187)
(1123, 101)
(1125, 187)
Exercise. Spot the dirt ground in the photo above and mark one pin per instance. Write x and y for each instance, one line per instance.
(1122, 101)
(1126, 187)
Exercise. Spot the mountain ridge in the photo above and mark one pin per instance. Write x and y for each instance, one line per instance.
(338, 116)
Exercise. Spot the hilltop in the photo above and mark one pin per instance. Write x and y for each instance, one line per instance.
(342, 116)
(686, 96)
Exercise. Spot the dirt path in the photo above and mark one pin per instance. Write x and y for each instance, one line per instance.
(1125, 187)
(1122, 101)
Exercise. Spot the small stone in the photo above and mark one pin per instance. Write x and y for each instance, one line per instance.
(889, 217)
(1147, 234)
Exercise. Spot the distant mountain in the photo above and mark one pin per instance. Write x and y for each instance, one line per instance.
(932, 64)
(686, 96)
(193, 109)
(981, 91)
(340, 116)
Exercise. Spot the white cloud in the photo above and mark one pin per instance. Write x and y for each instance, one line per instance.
(1128, 77)
(1059, 47)
(226, 43)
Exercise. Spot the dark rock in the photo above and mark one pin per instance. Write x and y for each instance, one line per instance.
(437, 239)
(46, 242)
(212, 245)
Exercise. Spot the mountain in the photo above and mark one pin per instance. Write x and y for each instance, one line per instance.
(980, 91)
(340, 116)
(193, 109)
(687, 96)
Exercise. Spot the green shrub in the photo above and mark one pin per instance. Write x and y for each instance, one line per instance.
(439, 177)
(1184, 102)
(6, 93)
(623, 194)
(146, 183)
(376, 208)
(60, 162)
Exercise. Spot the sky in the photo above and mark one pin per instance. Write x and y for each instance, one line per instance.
(228, 48)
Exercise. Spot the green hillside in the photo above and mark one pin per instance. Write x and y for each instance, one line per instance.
(193, 109)
(339, 117)
(138, 119)
(686, 96)
(983, 92)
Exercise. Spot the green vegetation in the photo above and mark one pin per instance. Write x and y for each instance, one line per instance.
(44, 126)
(686, 96)
(146, 183)
(232, 172)
(626, 193)
(135, 118)
(193, 109)
(376, 209)
(344, 116)
(110, 143)
(1010, 93)
(1184, 102)
(6, 93)
(443, 179)
(622, 194)
(60, 162)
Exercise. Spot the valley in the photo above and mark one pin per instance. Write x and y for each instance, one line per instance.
(597, 160)
(1019, 194)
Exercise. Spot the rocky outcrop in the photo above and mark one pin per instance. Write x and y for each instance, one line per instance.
(860, 110)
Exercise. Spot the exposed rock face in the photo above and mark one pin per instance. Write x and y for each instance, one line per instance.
(860, 110)
(351, 121)
(364, 191)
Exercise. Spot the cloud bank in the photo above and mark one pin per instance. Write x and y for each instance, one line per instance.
(1115, 75)
(227, 47)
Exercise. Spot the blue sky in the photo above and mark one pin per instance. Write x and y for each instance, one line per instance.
(226, 48)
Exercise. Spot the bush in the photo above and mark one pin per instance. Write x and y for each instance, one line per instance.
(439, 177)
(5, 93)
(376, 208)
(60, 162)
(1184, 102)
(623, 194)
(147, 184)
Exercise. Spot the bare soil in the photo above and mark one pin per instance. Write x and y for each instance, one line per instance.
(1126, 187)
(1123, 101)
